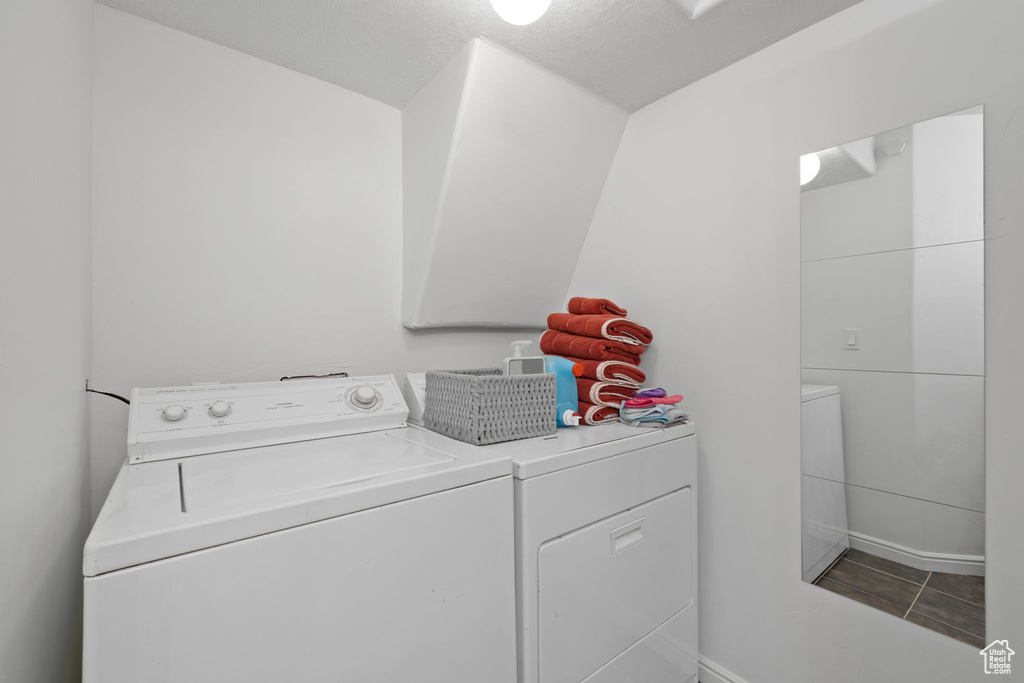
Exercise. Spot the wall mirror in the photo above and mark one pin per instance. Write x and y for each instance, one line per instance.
(893, 373)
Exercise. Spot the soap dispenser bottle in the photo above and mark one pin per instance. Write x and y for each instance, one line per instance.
(518, 364)
(565, 372)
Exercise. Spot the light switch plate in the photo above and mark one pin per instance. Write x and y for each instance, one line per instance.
(851, 339)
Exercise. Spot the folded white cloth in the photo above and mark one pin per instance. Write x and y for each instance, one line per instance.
(663, 413)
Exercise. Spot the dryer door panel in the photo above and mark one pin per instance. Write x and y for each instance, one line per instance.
(604, 587)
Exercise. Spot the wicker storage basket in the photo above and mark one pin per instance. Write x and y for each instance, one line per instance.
(486, 406)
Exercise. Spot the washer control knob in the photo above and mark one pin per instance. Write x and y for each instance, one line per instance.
(364, 396)
(219, 409)
(174, 413)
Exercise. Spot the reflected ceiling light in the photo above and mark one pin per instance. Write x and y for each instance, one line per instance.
(810, 164)
(520, 12)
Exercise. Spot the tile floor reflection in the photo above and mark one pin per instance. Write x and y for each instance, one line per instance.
(951, 604)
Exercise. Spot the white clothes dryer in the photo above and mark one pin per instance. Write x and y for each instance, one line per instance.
(606, 554)
(298, 531)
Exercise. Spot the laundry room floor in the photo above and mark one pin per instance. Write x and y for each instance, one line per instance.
(951, 604)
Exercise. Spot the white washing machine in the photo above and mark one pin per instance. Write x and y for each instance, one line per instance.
(606, 554)
(297, 531)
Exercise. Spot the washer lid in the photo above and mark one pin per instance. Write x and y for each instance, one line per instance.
(162, 509)
(571, 446)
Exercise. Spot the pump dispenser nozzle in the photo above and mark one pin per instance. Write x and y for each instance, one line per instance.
(517, 347)
(522, 364)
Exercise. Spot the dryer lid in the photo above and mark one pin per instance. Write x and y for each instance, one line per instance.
(572, 446)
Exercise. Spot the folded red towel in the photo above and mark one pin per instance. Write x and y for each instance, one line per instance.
(616, 371)
(601, 327)
(603, 393)
(595, 415)
(584, 306)
(564, 344)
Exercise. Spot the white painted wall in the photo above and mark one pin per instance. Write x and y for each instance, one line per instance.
(948, 185)
(914, 434)
(429, 124)
(248, 225)
(918, 310)
(502, 192)
(45, 157)
(722, 230)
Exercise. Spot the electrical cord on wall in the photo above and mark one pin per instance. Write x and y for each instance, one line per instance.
(106, 393)
(330, 374)
(283, 379)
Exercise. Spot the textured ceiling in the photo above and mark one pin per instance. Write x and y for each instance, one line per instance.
(631, 52)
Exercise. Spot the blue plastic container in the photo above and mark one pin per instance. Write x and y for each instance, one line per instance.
(565, 372)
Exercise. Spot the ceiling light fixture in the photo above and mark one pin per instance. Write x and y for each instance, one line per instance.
(520, 12)
(810, 164)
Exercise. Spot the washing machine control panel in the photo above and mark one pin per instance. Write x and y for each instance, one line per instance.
(175, 422)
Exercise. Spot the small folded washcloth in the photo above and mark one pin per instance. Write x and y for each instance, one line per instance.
(581, 305)
(602, 393)
(601, 327)
(616, 371)
(650, 393)
(671, 415)
(646, 402)
(664, 414)
(595, 415)
(564, 344)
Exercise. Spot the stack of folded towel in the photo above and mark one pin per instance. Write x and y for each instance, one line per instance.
(652, 408)
(596, 334)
